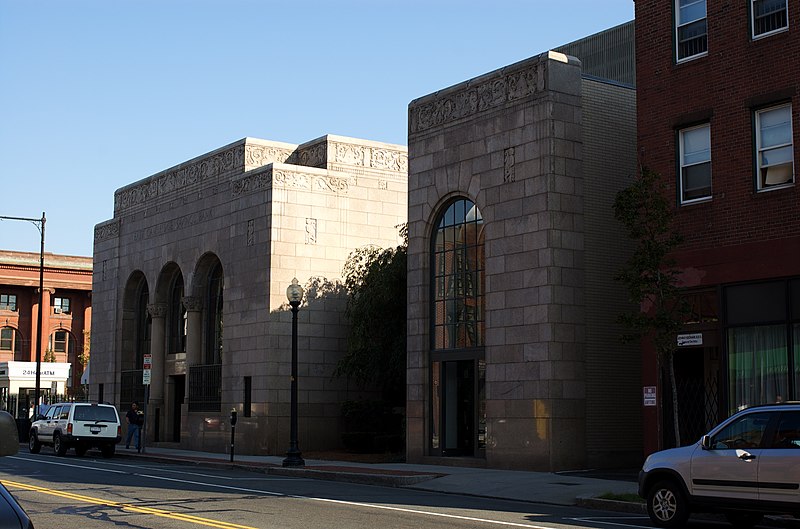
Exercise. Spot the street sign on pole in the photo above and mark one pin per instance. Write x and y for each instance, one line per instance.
(147, 366)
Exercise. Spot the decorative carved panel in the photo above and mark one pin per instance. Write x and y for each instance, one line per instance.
(475, 98)
(106, 231)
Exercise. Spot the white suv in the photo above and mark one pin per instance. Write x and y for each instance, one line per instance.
(81, 425)
(746, 467)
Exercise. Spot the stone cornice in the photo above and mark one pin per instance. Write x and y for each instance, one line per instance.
(106, 230)
(292, 177)
(478, 95)
(337, 150)
(329, 152)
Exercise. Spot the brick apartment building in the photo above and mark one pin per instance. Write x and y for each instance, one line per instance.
(66, 321)
(718, 104)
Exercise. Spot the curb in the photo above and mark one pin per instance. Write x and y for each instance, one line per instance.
(386, 480)
(360, 478)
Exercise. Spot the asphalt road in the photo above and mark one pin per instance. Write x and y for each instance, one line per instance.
(90, 492)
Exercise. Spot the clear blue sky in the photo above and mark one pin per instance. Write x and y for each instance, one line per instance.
(97, 94)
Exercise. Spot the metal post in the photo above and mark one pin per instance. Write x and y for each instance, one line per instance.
(39, 223)
(39, 322)
(233, 430)
(293, 456)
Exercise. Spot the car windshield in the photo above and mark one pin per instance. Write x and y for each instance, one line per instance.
(95, 413)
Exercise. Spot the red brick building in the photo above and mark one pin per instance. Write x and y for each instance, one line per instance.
(718, 119)
(66, 318)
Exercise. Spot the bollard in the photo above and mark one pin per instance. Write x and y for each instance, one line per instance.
(233, 429)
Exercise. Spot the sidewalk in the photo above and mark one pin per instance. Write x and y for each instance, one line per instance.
(538, 487)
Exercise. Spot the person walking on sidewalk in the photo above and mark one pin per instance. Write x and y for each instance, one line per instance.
(135, 419)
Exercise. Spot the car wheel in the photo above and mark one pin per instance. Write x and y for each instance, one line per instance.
(34, 446)
(667, 505)
(744, 520)
(59, 446)
(80, 450)
(107, 451)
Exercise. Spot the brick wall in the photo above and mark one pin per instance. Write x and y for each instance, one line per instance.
(738, 74)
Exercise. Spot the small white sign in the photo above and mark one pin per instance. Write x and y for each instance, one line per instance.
(649, 396)
(685, 340)
(146, 377)
(148, 361)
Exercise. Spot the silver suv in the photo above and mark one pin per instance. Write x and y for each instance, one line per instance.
(81, 425)
(746, 467)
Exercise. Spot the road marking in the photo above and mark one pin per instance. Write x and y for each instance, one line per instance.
(601, 519)
(51, 463)
(327, 500)
(353, 503)
(129, 507)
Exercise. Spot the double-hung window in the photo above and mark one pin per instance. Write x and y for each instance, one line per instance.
(691, 30)
(769, 16)
(695, 163)
(8, 302)
(774, 147)
(61, 305)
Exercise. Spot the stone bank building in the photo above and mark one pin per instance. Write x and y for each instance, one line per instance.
(193, 270)
(514, 355)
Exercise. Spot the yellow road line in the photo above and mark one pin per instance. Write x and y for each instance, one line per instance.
(128, 507)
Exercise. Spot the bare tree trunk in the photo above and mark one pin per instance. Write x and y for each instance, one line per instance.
(674, 387)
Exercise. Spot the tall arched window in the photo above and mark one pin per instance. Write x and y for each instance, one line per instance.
(213, 327)
(177, 316)
(458, 366)
(458, 279)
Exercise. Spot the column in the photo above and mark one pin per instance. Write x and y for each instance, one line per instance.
(194, 335)
(158, 312)
(35, 340)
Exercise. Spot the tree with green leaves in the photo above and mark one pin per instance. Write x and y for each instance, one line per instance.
(651, 275)
(375, 279)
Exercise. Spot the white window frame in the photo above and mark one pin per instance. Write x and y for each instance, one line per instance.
(763, 186)
(58, 305)
(683, 165)
(9, 304)
(768, 33)
(678, 24)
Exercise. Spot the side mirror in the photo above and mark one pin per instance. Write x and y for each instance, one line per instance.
(9, 436)
(705, 442)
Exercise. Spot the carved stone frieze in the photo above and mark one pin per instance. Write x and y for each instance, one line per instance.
(261, 155)
(475, 98)
(351, 154)
(169, 181)
(314, 156)
(391, 160)
(251, 183)
(292, 179)
(106, 231)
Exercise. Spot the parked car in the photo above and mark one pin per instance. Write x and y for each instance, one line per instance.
(11, 512)
(81, 425)
(746, 467)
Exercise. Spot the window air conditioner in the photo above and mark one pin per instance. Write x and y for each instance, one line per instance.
(57, 310)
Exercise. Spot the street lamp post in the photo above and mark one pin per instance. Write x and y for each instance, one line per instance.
(293, 456)
(39, 223)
